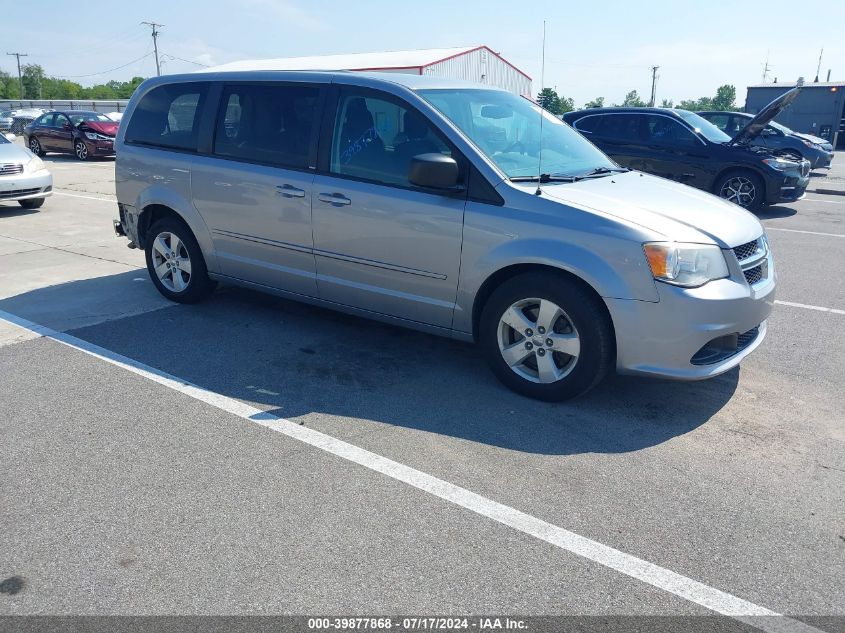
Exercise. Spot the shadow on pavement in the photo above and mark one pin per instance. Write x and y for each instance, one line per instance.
(13, 210)
(297, 360)
(770, 213)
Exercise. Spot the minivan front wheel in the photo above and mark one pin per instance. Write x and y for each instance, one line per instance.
(741, 187)
(175, 262)
(546, 336)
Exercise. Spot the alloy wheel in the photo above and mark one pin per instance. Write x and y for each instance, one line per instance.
(35, 146)
(739, 190)
(81, 150)
(171, 261)
(538, 340)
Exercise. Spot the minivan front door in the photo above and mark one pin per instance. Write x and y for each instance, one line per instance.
(254, 191)
(380, 243)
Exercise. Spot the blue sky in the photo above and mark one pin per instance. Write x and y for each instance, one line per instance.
(592, 48)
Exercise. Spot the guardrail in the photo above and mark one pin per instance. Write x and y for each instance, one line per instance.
(114, 105)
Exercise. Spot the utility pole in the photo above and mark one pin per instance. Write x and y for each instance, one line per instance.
(20, 77)
(153, 26)
(828, 75)
(819, 67)
(653, 101)
(766, 67)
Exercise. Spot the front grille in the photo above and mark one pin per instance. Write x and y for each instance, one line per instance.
(724, 347)
(14, 193)
(11, 168)
(753, 275)
(744, 251)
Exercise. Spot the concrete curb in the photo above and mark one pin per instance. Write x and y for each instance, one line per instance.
(829, 192)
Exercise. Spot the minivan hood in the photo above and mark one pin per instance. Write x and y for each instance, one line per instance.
(764, 116)
(676, 211)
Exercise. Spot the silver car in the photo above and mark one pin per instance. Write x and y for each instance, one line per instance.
(452, 208)
(23, 176)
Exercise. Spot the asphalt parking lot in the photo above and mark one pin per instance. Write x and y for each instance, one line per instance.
(249, 455)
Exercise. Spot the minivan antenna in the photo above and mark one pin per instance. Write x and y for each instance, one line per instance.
(540, 144)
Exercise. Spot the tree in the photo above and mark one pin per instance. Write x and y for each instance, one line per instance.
(32, 76)
(667, 103)
(549, 100)
(566, 104)
(725, 98)
(9, 88)
(632, 100)
(598, 102)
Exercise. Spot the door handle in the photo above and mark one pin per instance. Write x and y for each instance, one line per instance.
(336, 199)
(289, 191)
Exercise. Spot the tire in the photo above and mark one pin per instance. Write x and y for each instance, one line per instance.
(743, 188)
(35, 146)
(179, 282)
(80, 150)
(32, 203)
(580, 324)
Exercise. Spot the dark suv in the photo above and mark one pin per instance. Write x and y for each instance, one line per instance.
(682, 146)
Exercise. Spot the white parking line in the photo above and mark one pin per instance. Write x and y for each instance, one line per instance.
(76, 195)
(827, 201)
(660, 577)
(809, 307)
(772, 228)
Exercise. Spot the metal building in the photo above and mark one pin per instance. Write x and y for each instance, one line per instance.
(819, 108)
(479, 64)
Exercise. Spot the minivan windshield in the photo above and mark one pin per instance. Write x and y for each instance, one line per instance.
(507, 129)
(704, 127)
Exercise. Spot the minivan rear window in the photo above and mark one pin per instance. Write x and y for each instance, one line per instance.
(168, 116)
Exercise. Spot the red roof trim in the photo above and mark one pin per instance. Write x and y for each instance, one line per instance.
(419, 68)
(478, 48)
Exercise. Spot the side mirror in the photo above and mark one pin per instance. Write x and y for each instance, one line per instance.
(433, 171)
(65, 125)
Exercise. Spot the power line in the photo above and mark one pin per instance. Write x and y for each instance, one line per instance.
(172, 56)
(20, 77)
(103, 72)
(153, 26)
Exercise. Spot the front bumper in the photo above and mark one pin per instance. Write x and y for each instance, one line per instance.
(788, 187)
(99, 148)
(25, 186)
(669, 338)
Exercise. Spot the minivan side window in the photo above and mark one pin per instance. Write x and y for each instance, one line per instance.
(375, 139)
(168, 116)
(267, 123)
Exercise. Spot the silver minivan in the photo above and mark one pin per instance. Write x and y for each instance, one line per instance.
(453, 208)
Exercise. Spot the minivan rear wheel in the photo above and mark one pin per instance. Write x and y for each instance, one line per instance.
(742, 187)
(175, 262)
(546, 336)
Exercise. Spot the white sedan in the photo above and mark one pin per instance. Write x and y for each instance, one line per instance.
(23, 176)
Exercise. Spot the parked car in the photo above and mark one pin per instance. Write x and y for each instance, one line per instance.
(79, 132)
(23, 176)
(115, 116)
(393, 197)
(682, 146)
(22, 118)
(776, 136)
(6, 120)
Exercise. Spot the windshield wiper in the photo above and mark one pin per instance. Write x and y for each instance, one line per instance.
(542, 178)
(602, 171)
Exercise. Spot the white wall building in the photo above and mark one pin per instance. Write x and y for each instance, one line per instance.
(479, 64)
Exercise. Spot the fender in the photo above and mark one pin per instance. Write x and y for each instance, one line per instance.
(608, 272)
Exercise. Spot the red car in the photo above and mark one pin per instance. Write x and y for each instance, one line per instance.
(79, 132)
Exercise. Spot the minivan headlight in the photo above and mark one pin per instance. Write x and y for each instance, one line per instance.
(687, 265)
(36, 164)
